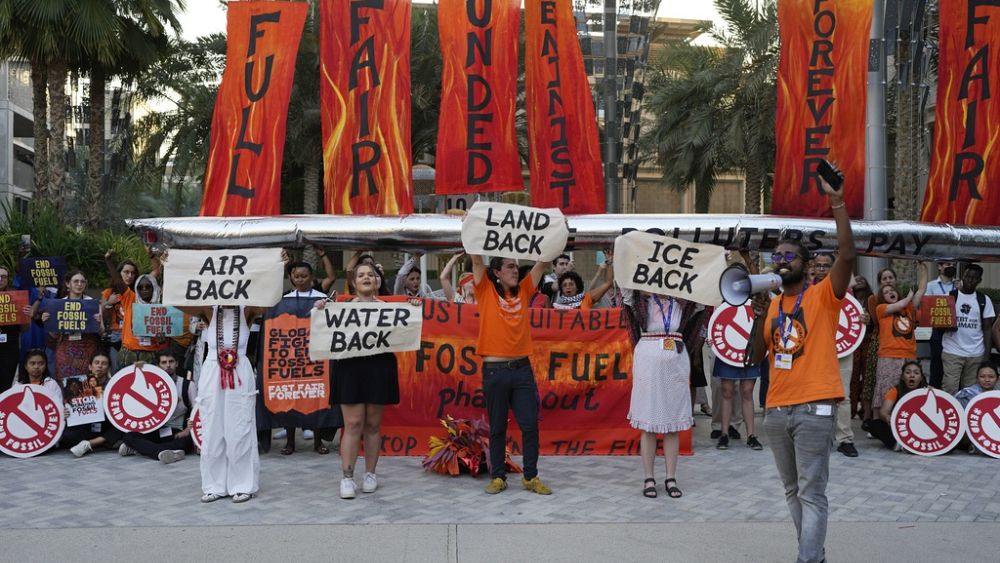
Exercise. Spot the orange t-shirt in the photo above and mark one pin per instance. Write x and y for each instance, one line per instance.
(890, 395)
(895, 333)
(815, 372)
(129, 340)
(116, 312)
(503, 322)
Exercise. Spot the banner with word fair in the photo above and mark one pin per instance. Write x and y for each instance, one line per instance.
(669, 266)
(290, 380)
(514, 231)
(243, 172)
(564, 151)
(365, 106)
(477, 148)
(357, 329)
(12, 305)
(157, 320)
(68, 316)
(822, 84)
(235, 276)
(42, 271)
(965, 156)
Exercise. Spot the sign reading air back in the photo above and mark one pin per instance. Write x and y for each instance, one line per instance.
(47, 271)
(514, 231)
(356, 329)
(243, 173)
(669, 266)
(248, 276)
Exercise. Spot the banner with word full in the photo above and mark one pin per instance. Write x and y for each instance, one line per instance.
(67, 316)
(822, 84)
(965, 159)
(365, 106)
(41, 271)
(243, 172)
(565, 154)
(477, 142)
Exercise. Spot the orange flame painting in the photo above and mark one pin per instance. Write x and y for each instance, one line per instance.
(822, 92)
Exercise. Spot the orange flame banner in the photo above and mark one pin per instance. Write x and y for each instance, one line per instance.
(477, 141)
(243, 174)
(365, 97)
(562, 130)
(965, 165)
(822, 87)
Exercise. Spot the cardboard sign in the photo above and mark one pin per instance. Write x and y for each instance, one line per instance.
(937, 311)
(850, 330)
(196, 427)
(982, 418)
(46, 271)
(928, 422)
(31, 421)
(200, 278)
(356, 329)
(291, 381)
(140, 399)
(83, 399)
(72, 315)
(729, 332)
(157, 320)
(669, 266)
(12, 304)
(514, 231)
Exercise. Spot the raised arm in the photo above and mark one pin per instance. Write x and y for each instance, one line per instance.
(445, 277)
(843, 266)
(478, 268)
(918, 296)
(400, 283)
(537, 271)
(117, 283)
(598, 291)
(331, 275)
(898, 305)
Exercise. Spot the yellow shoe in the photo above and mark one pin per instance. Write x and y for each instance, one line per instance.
(535, 485)
(495, 486)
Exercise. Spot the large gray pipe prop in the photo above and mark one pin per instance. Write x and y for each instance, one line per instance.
(892, 239)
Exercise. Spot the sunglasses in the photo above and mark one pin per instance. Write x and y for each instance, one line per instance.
(786, 257)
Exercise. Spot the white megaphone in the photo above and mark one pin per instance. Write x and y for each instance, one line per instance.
(737, 284)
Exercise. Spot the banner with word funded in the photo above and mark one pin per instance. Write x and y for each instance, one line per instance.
(43, 271)
(12, 305)
(72, 315)
(243, 173)
(565, 154)
(157, 320)
(514, 231)
(357, 329)
(822, 84)
(965, 160)
(365, 106)
(290, 380)
(669, 266)
(477, 147)
(233, 276)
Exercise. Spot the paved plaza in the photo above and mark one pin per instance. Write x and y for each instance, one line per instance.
(727, 495)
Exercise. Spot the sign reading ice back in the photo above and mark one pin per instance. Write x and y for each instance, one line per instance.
(669, 266)
(46, 271)
(514, 231)
(248, 276)
(157, 320)
(72, 315)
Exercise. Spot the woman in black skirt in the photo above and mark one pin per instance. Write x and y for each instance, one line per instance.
(362, 387)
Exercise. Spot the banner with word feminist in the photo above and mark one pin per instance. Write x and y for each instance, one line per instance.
(822, 86)
(477, 141)
(365, 106)
(965, 162)
(562, 130)
(243, 174)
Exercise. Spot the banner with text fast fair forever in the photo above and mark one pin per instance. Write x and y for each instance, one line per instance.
(562, 129)
(965, 161)
(243, 173)
(822, 85)
(365, 106)
(477, 147)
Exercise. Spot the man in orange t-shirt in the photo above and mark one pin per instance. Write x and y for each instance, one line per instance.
(799, 338)
(504, 344)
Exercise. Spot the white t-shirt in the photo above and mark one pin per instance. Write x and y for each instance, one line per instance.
(938, 287)
(967, 340)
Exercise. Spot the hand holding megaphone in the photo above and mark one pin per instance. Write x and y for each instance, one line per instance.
(737, 284)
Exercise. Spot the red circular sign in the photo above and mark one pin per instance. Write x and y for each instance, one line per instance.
(928, 422)
(729, 332)
(31, 421)
(140, 400)
(196, 427)
(850, 329)
(982, 418)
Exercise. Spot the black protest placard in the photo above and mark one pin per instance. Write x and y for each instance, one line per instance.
(72, 315)
(42, 271)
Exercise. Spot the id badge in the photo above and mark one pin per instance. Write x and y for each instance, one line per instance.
(3, 338)
(166, 432)
(669, 344)
(75, 336)
(783, 361)
(95, 427)
(145, 341)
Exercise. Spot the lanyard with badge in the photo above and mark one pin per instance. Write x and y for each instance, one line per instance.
(669, 344)
(784, 360)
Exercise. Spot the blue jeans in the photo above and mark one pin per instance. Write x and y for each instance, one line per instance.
(800, 437)
(511, 389)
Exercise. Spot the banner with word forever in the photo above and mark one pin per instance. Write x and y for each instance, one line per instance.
(565, 154)
(822, 84)
(290, 380)
(247, 276)
(243, 173)
(365, 106)
(477, 142)
(669, 266)
(965, 160)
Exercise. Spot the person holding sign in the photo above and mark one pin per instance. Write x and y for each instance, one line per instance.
(897, 342)
(73, 350)
(114, 314)
(10, 337)
(467, 290)
(363, 386)
(911, 378)
(34, 370)
(571, 294)
(147, 290)
(82, 439)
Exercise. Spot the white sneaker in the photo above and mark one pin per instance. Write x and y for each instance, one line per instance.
(125, 451)
(307, 434)
(81, 449)
(348, 489)
(370, 483)
(280, 435)
(170, 456)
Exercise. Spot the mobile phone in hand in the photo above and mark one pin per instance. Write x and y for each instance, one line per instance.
(832, 177)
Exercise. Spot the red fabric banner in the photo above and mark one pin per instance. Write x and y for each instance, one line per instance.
(290, 381)
(822, 78)
(365, 106)
(243, 174)
(477, 140)
(965, 163)
(562, 129)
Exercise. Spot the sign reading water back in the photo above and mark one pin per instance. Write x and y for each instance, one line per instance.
(514, 231)
(248, 276)
(356, 329)
(47, 271)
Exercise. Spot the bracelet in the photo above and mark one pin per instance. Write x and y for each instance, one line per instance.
(841, 206)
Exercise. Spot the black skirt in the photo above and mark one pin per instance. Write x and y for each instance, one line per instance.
(371, 379)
